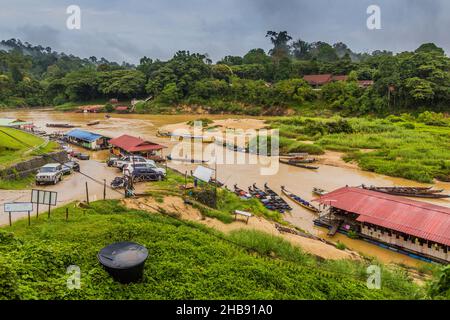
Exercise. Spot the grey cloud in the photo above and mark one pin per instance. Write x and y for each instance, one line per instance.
(127, 30)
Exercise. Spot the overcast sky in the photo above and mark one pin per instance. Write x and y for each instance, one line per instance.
(122, 30)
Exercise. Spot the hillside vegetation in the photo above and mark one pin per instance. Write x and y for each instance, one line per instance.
(268, 83)
(13, 151)
(186, 261)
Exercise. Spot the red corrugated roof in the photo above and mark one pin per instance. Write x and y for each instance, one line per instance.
(134, 144)
(318, 79)
(419, 219)
(121, 108)
(339, 78)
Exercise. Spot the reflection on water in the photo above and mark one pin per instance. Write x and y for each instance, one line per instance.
(297, 180)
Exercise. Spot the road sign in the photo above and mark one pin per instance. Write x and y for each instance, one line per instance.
(18, 207)
(44, 197)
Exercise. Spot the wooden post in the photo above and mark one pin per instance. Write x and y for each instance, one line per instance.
(215, 185)
(87, 193)
(37, 207)
(49, 208)
(67, 214)
(29, 219)
(10, 222)
(104, 189)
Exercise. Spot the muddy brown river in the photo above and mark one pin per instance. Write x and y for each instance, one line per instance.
(297, 180)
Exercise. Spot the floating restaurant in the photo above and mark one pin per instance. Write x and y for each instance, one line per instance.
(88, 140)
(419, 229)
(129, 145)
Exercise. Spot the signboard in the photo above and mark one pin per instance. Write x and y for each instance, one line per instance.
(18, 207)
(203, 173)
(44, 197)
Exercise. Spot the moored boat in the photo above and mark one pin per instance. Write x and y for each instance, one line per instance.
(298, 200)
(299, 165)
(417, 192)
(59, 125)
(277, 198)
(93, 123)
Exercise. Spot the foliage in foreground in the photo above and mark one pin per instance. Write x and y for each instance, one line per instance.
(186, 261)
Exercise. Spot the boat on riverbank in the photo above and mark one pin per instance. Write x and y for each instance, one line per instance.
(93, 123)
(60, 125)
(275, 196)
(298, 200)
(298, 165)
(270, 201)
(418, 192)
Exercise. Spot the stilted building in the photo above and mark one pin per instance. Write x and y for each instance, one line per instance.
(414, 227)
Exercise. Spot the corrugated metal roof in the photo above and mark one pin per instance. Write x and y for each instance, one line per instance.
(419, 219)
(315, 79)
(133, 144)
(84, 135)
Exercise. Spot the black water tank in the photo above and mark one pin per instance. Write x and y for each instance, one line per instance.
(124, 261)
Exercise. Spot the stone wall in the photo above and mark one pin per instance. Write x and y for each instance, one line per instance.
(25, 168)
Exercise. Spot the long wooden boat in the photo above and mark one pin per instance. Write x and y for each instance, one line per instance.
(299, 165)
(59, 125)
(241, 193)
(409, 192)
(305, 204)
(269, 201)
(299, 160)
(279, 199)
(93, 123)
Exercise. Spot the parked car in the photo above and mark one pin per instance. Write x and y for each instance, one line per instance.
(131, 160)
(129, 168)
(146, 174)
(83, 156)
(70, 167)
(50, 173)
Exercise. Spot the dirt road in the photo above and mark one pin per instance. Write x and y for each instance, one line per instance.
(72, 188)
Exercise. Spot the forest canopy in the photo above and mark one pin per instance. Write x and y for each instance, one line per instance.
(257, 83)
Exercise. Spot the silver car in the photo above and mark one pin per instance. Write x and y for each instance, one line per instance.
(50, 173)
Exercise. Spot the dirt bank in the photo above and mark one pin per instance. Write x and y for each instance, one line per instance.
(186, 212)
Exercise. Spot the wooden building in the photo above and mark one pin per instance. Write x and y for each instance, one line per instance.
(88, 140)
(413, 227)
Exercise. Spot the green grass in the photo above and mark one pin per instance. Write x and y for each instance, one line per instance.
(13, 151)
(17, 184)
(396, 147)
(186, 261)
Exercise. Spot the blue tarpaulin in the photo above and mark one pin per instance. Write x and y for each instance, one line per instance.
(84, 135)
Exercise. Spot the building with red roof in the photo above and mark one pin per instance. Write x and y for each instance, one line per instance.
(126, 145)
(318, 80)
(417, 227)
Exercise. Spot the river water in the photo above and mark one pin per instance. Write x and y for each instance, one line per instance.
(300, 181)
